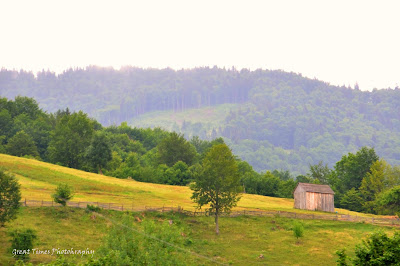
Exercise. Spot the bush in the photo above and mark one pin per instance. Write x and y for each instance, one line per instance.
(63, 194)
(378, 249)
(92, 208)
(22, 240)
(298, 230)
(9, 197)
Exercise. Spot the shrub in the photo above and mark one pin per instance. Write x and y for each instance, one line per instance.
(378, 249)
(63, 194)
(92, 208)
(298, 230)
(22, 240)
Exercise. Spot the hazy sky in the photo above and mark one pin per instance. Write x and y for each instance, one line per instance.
(341, 42)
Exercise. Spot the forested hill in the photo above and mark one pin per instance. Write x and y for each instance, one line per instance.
(276, 119)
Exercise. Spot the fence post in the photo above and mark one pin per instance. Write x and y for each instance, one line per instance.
(122, 207)
(244, 212)
(97, 204)
(52, 203)
(109, 206)
(42, 203)
(79, 204)
(373, 220)
(25, 202)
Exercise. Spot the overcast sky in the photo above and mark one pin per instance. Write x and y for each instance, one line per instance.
(341, 42)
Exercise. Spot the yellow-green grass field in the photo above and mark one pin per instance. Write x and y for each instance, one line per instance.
(39, 180)
(241, 242)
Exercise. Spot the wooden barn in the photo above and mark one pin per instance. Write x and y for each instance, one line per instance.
(314, 197)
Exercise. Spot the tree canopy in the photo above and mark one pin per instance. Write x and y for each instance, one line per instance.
(176, 148)
(10, 197)
(218, 182)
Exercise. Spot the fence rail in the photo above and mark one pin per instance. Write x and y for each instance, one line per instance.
(393, 221)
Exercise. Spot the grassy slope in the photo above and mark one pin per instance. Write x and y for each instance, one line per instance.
(213, 116)
(39, 180)
(242, 240)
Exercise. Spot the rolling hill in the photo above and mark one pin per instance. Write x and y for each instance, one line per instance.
(242, 241)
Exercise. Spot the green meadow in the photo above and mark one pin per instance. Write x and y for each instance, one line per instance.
(244, 240)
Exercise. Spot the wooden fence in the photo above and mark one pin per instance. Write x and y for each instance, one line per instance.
(393, 221)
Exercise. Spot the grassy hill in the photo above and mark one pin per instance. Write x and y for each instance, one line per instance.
(242, 239)
(39, 180)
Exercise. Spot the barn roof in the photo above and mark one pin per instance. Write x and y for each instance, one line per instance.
(315, 188)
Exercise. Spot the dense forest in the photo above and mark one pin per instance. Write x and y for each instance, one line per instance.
(362, 181)
(281, 120)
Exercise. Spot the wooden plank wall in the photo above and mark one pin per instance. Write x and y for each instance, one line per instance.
(319, 201)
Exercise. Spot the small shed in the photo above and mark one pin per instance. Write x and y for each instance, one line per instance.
(314, 197)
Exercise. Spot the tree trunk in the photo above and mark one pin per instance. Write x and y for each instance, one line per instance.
(216, 223)
(100, 172)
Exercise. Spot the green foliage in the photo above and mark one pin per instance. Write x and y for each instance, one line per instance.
(92, 208)
(283, 175)
(22, 144)
(377, 249)
(99, 152)
(218, 183)
(22, 240)
(179, 174)
(287, 188)
(320, 172)
(342, 260)
(175, 148)
(298, 229)
(352, 200)
(351, 169)
(126, 245)
(6, 122)
(389, 201)
(70, 139)
(10, 196)
(375, 181)
(63, 194)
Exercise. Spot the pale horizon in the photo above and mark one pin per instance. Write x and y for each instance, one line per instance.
(339, 42)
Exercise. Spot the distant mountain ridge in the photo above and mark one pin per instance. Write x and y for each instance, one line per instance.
(272, 119)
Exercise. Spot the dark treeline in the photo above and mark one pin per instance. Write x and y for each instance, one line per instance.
(281, 120)
(113, 96)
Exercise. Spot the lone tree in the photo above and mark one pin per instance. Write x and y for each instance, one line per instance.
(218, 182)
(63, 194)
(10, 196)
